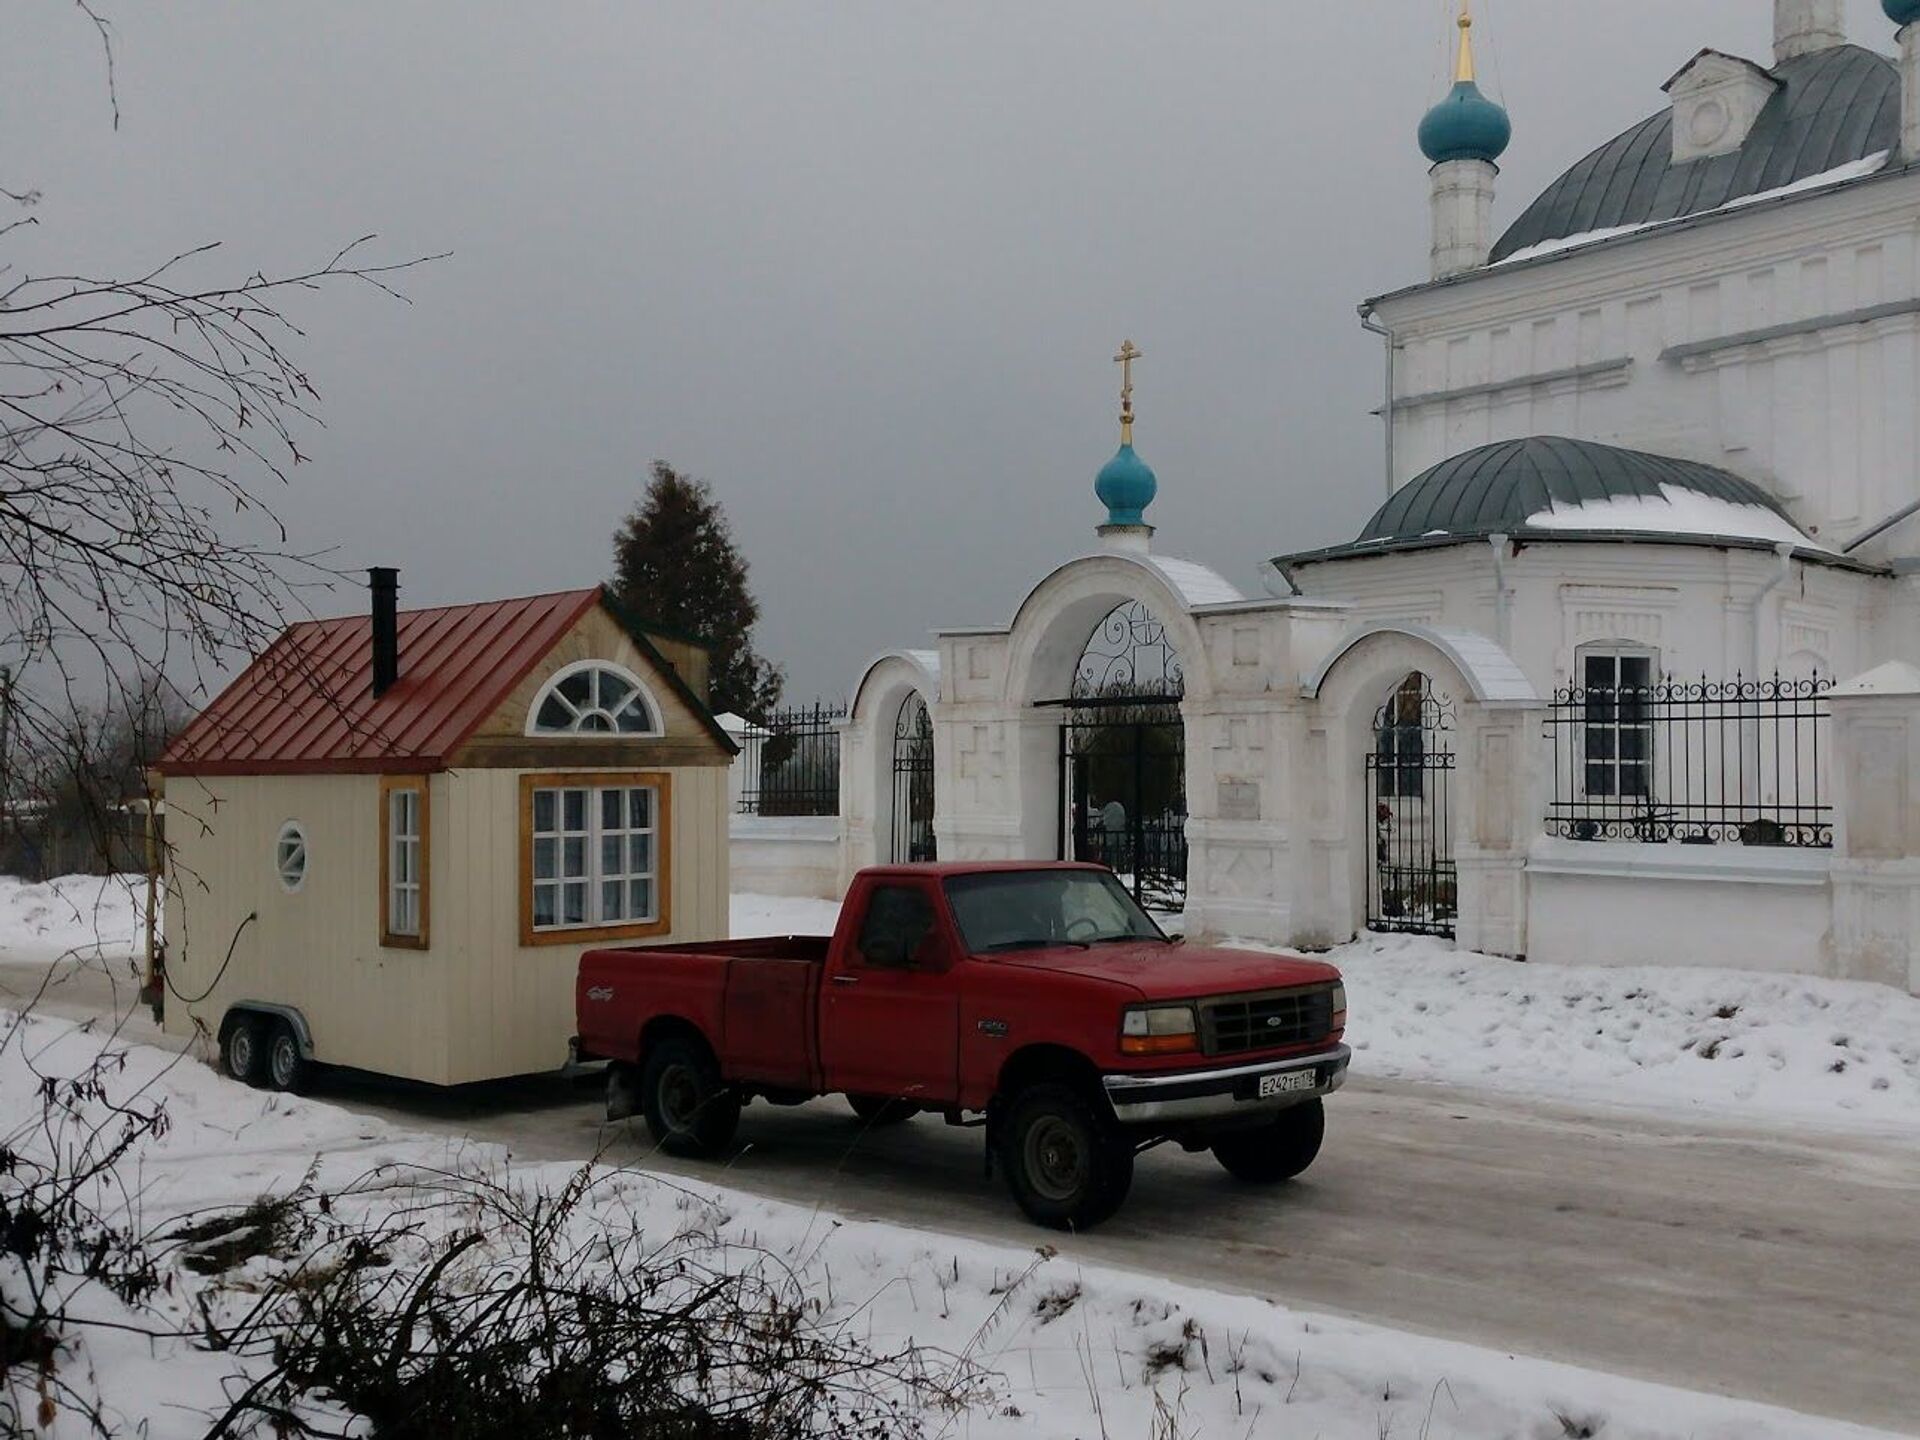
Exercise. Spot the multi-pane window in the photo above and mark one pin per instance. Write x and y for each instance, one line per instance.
(594, 856)
(1617, 693)
(404, 911)
(290, 855)
(593, 700)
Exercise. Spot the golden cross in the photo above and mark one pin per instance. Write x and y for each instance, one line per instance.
(1128, 354)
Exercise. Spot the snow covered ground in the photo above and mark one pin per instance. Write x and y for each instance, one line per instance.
(88, 916)
(1724, 1044)
(1050, 1348)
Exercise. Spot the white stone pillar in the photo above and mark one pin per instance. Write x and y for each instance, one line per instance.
(1462, 215)
(1876, 833)
(1805, 27)
(1910, 92)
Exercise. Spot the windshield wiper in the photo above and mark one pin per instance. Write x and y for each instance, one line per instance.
(1034, 943)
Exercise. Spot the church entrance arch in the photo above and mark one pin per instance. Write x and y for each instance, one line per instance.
(1413, 884)
(912, 827)
(1123, 799)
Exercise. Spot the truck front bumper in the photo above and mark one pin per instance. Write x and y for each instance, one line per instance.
(1190, 1095)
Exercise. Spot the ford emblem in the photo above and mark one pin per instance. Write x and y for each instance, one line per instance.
(1273, 1022)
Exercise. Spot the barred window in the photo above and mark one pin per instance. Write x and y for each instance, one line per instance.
(1618, 728)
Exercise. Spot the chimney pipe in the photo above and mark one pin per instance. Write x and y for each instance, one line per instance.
(384, 581)
(1806, 27)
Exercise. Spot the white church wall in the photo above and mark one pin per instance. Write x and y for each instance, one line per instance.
(1639, 904)
(791, 855)
(1781, 341)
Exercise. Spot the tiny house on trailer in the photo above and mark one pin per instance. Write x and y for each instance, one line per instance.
(393, 835)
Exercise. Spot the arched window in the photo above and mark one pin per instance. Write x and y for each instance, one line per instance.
(594, 697)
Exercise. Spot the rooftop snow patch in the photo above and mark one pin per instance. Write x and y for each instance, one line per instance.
(1677, 511)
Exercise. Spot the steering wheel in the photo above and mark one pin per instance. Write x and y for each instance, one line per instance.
(1093, 927)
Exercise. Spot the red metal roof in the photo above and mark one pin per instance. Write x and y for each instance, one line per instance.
(307, 705)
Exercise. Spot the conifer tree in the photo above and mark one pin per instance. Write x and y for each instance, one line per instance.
(675, 563)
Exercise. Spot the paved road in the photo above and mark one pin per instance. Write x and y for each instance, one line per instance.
(1781, 1268)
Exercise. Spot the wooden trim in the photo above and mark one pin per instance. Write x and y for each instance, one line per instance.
(570, 752)
(388, 785)
(661, 782)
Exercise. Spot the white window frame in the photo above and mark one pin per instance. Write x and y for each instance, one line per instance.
(1616, 652)
(405, 865)
(291, 833)
(592, 837)
(642, 696)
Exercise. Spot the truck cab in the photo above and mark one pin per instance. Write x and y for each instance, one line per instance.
(1036, 999)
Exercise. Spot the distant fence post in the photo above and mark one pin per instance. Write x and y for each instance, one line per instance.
(1876, 863)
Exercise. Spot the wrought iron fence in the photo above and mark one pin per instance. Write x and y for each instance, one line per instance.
(790, 763)
(1698, 762)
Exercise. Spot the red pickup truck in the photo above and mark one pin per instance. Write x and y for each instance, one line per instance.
(1038, 999)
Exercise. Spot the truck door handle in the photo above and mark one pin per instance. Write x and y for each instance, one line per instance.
(846, 979)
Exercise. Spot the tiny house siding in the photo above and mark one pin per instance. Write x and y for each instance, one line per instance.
(316, 949)
(509, 1007)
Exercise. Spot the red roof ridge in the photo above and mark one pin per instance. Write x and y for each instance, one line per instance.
(505, 600)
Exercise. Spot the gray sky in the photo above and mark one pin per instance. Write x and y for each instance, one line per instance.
(862, 265)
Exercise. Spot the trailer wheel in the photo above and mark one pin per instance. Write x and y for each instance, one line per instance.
(1068, 1166)
(878, 1110)
(242, 1043)
(287, 1069)
(1278, 1151)
(689, 1109)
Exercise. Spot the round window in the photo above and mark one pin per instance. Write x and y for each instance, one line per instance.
(290, 855)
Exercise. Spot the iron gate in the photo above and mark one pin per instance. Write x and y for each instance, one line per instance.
(1413, 886)
(1123, 774)
(913, 783)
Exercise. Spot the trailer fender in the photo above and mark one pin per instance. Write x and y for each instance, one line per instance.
(303, 1036)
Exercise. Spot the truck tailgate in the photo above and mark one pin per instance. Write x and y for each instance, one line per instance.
(770, 1032)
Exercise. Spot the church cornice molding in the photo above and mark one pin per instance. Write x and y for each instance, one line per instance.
(1650, 262)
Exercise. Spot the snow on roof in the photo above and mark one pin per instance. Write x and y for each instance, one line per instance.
(1676, 511)
(1839, 175)
(1196, 583)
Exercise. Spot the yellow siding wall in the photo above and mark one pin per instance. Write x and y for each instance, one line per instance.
(510, 1008)
(477, 1004)
(317, 949)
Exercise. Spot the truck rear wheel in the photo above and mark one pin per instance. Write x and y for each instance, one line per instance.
(1068, 1166)
(1277, 1151)
(689, 1110)
(878, 1110)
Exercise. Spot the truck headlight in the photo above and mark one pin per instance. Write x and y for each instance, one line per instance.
(1339, 1005)
(1158, 1030)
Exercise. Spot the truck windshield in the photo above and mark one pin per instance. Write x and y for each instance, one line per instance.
(1031, 909)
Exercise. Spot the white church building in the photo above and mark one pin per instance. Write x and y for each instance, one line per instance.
(1626, 669)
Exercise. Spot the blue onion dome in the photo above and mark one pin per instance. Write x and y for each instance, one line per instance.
(1126, 486)
(1467, 126)
(1902, 12)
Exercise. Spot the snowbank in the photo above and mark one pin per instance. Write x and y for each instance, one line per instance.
(1728, 1044)
(1065, 1349)
(89, 915)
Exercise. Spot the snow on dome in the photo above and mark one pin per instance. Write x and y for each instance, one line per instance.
(1196, 583)
(1675, 511)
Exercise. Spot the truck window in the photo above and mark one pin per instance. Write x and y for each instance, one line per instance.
(1031, 909)
(899, 919)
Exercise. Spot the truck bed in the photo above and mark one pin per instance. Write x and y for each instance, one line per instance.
(756, 998)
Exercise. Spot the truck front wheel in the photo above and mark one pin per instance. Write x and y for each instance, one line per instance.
(1069, 1167)
(1277, 1151)
(689, 1110)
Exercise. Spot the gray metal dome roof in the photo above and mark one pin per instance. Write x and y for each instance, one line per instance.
(1499, 487)
(1832, 108)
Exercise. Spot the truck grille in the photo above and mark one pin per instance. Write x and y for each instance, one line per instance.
(1262, 1022)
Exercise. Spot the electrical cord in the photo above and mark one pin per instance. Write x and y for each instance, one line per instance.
(232, 944)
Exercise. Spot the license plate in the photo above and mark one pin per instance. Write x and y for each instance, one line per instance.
(1287, 1083)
